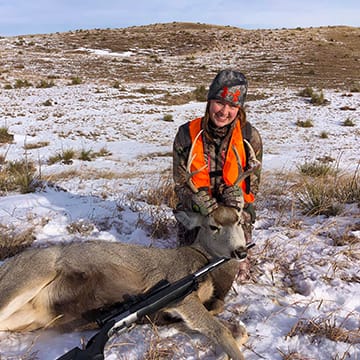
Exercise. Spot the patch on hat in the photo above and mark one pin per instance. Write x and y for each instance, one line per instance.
(231, 94)
(229, 85)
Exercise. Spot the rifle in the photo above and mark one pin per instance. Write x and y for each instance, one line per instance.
(121, 316)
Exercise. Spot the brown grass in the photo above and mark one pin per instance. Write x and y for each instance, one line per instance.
(324, 57)
(13, 241)
(326, 328)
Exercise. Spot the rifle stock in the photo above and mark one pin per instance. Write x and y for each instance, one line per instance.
(121, 315)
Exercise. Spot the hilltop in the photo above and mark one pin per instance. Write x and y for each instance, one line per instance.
(187, 53)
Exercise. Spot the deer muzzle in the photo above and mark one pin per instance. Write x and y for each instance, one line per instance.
(241, 252)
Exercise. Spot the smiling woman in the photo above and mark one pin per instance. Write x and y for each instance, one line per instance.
(212, 153)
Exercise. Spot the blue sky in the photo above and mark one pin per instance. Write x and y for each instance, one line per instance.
(20, 17)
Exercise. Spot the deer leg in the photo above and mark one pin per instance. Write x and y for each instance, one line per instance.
(196, 317)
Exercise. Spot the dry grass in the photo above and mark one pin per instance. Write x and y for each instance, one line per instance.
(13, 241)
(5, 136)
(325, 328)
(326, 193)
(18, 176)
(162, 196)
(160, 349)
(325, 57)
(37, 145)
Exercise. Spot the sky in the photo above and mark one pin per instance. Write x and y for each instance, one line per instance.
(23, 17)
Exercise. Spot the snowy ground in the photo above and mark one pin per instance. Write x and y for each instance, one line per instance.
(303, 281)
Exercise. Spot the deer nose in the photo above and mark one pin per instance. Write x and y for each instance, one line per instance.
(239, 253)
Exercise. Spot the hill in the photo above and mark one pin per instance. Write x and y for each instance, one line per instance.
(325, 57)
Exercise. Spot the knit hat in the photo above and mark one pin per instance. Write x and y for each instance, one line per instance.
(229, 85)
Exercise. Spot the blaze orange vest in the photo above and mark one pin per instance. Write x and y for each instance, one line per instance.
(230, 168)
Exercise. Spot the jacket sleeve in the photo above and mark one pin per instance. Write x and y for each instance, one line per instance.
(256, 143)
(181, 149)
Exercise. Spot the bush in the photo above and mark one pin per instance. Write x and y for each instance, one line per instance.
(168, 117)
(86, 155)
(316, 169)
(48, 102)
(318, 197)
(13, 241)
(348, 122)
(21, 84)
(324, 191)
(200, 93)
(318, 99)
(324, 135)
(45, 84)
(37, 145)
(307, 92)
(18, 176)
(66, 157)
(5, 136)
(75, 80)
(304, 124)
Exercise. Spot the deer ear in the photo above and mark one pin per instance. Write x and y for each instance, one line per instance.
(189, 219)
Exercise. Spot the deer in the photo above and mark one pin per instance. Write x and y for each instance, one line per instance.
(54, 286)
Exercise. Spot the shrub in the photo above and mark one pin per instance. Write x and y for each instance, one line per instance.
(86, 155)
(307, 92)
(200, 93)
(66, 157)
(21, 84)
(13, 241)
(45, 84)
(168, 117)
(324, 135)
(155, 220)
(160, 194)
(316, 169)
(318, 197)
(355, 87)
(116, 85)
(37, 145)
(304, 124)
(348, 122)
(326, 191)
(48, 102)
(318, 98)
(18, 176)
(75, 80)
(102, 152)
(5, 136)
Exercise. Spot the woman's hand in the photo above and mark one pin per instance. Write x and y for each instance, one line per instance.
(203, 203)
(233, 196)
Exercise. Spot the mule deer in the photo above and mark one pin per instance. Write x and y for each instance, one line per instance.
(54, 286)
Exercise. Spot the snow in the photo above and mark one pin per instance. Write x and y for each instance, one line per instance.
(301, 277)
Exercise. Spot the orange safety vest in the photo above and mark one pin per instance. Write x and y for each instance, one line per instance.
(230, 168)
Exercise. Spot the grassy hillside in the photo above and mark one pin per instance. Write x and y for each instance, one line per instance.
(325, 57)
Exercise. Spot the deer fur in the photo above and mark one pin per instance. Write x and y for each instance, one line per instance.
(54, 286)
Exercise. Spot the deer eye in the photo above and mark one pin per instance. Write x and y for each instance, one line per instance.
(214, 228)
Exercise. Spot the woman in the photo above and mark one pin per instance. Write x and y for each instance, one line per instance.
(223, 127)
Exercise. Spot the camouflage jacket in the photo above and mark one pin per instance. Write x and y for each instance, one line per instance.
(213, 147)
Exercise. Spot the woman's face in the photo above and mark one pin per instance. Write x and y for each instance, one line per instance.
(222, 113)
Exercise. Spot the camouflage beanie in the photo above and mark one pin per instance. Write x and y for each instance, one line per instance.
(229, 85)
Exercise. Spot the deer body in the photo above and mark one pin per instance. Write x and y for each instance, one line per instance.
(53, 286)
